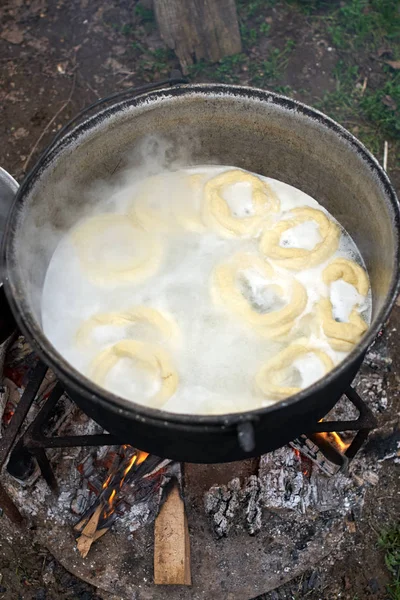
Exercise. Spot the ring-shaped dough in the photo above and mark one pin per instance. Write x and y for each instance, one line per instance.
(138, 268)
(300, 258)
(138, 314)
(269, 377)
(178, 195)
(217, 212)
(349, 271)
(150, 356)
(226, 290)
(189, 216)
(341, 336)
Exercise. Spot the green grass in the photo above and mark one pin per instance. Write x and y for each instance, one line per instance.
(253, 8)
(252, 23)
(272, 68)
(356, 29)
(364, 23)
(389, 540)
(155, 61)
(383, 105)
(145, 15)
(373, 114)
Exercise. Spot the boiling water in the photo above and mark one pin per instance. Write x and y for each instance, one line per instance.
(215, 354)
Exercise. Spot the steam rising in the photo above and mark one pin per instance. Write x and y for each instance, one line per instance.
(215, 355)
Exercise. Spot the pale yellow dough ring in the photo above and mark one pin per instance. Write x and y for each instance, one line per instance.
(349, 271)
(217, 212)
(137, 269)
(225, 290)
(301, 258)
(154, 219)
(138, 314)
(269, 377)
(190, 217)
(341, 336)
(150, 356)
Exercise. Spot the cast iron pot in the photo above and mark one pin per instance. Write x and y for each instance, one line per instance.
(8, 189)
(250, 128)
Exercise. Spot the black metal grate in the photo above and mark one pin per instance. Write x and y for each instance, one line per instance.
(32, 443)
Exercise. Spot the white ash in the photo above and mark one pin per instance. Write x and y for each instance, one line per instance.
(284, 484)
(137, 516)
(60, 510)
(28, 500)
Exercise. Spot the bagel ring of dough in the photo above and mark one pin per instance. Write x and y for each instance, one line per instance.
(190, 218)
(270, 374)
(150, 356)
(301, 258)
(217, 212)
(341, 336)
(273, 324)
(349, 271)
(139, 268)
(153, 219)
(138, 314)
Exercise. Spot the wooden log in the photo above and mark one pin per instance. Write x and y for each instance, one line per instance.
(89, 533)
(197, 29)
(171, 543)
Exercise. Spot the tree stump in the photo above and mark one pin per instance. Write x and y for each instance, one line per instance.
(197, 29)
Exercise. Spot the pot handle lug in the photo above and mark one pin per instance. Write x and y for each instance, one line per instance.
(246, 437)
(175, 78)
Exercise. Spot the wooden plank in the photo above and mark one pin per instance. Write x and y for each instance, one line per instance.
(171, 543)
(197, 29)
(89, 533)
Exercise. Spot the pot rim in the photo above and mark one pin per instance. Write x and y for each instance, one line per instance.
(11, 185)
(83, 386)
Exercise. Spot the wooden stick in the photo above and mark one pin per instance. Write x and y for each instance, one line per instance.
(385, 154)
(171, 543)
(89, 533)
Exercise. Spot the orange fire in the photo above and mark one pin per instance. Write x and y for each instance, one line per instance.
(141, 456)
(137, 459)
(107, 482)
(336, 440)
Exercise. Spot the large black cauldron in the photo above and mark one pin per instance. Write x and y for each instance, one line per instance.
(246, 127)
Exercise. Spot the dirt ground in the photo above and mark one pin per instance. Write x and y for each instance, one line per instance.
(58, 56)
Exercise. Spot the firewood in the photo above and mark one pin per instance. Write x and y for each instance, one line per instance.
(84, 544)
(89, 533)
(171, 542)
(90, 528)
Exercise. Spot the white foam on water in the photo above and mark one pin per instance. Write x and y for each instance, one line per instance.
(310, 369)
(239, 199)
(344, 298)
(305, 235)
(216, 355)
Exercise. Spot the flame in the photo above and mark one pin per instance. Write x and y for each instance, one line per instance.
(141, 456)
(337, 441)
(137, 459)
(107, 482)
(334, 438)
